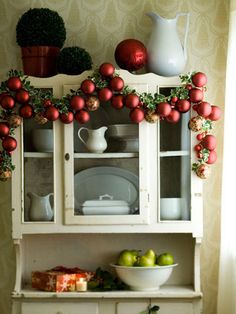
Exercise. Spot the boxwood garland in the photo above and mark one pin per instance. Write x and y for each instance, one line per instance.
(20, 100)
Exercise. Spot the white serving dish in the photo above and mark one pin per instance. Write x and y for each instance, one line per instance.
(105, 205)
(125, 131)
(144, 278)
(43, 140)
(122, 184)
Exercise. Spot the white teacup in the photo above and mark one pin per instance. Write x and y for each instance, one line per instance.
(170, 208)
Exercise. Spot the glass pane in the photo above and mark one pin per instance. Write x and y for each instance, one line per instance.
(38, 171)
(106, 164)
(175, 188)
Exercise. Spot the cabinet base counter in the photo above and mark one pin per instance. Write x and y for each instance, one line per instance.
(107, 305)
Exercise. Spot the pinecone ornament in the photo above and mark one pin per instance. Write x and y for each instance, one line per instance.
(196, 123)
(203, 171)
(92, 103)
(151, 116)
(5, 175)
(14, 121)
(40, 119)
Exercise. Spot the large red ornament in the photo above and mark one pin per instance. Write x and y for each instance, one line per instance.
(104, 94)
(87, 86)
(117, 101)
(215, 113)
(174, 116)
(8, 102)
(4, 129)
(51, 113)
(82, 116)
(106, 69)
(22, 96)
(196, 95)
(26, 111)
(132, 101)
(209, 142)
(164, 109)
(212, 157)
(14, 83)
(117, 84)
(183, 105)
(9, 143)
(204, 109)
(67, 117)
(131, 55)
(199, 79)
(77, 102)
(136, 115)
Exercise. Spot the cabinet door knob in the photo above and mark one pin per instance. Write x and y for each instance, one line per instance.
(153, 309)
(67, 156)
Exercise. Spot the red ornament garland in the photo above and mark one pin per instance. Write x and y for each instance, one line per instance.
(18, 99)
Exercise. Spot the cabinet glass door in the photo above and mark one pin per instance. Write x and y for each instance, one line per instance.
(38, 170)
(104, 180)
(174, 168)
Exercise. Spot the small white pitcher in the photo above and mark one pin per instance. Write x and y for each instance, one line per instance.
(96, 142)
(40, 207)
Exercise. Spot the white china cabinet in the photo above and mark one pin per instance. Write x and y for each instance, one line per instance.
(144, 170)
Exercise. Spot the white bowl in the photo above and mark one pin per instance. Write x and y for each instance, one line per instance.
(144, 278)
(171, 208)
(43, 140)
(123, 131)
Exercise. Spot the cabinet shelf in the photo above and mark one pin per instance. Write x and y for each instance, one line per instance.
(174, 153)
(106, 155)
(38, 155)
(168, 291)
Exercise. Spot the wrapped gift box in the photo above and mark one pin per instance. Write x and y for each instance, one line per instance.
(59, 279)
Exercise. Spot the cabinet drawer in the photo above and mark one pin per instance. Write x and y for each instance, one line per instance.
(59, 308)
(175, 307)
(132, 307)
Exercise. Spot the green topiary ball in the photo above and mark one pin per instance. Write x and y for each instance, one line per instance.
(73, 61)
(40, 27)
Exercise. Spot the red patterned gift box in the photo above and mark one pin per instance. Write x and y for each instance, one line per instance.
(59, 279)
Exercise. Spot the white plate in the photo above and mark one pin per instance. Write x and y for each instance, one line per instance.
(117, 182)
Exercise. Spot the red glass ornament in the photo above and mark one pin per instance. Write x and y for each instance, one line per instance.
(67, 117)
(173, 117)
(212, 157)
(82, 116)
(117, 84)
(51, 113)
(131, 55)
(132, 101)
(87, 86)
(199, 79)
(106, 69)
(9, 144)
(22, 96)
(105, 94)
(26, 111)
(136, 115)
(195, 95)
(14, 83)
(183, 105)
(209, 142)
(77, 102)
(117, 101)
(4, 129)
(215, 113)
(8, 102)
(204, 109)
(164, 109)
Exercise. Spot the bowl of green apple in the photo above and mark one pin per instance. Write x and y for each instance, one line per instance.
(147, 272)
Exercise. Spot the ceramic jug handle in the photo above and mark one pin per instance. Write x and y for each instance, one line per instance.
(82, 140)
(186, 32)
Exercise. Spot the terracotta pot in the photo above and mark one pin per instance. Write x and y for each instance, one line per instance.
(40, 61)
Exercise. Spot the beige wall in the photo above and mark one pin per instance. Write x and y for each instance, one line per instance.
(98, 26)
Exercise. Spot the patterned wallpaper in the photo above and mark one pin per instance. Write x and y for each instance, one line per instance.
(98, 26)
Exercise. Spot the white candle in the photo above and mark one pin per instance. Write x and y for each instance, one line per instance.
(81, 284)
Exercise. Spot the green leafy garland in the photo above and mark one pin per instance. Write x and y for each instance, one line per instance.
(20, 100)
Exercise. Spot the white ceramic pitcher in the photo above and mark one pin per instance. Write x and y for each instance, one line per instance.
(96, 142)
(40, 207)
(166, 55)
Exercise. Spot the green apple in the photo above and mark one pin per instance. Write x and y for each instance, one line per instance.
(127, 258)
(165, 259)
